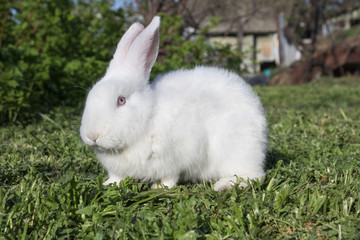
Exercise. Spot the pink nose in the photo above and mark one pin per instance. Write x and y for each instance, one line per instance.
(91, 138)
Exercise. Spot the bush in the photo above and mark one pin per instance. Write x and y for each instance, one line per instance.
(52, 51)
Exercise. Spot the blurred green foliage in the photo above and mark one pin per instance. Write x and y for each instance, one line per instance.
(52, 51)
(355, 31)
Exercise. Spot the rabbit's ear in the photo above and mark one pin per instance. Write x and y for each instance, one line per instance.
(144, 50)
(124, 45)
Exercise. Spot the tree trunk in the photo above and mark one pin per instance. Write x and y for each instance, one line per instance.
(240, 34)
(309, 65)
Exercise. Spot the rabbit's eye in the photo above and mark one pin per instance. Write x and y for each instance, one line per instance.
(120, 101)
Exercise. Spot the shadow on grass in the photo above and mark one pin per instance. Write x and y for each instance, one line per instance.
(274, 156)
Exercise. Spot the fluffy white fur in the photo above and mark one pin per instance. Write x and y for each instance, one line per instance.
(189, 125)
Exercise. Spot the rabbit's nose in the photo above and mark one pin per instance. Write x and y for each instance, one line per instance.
(91, 138)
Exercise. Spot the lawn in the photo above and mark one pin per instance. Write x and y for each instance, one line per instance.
(51, 183)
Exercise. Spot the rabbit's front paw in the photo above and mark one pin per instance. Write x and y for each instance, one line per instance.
(169, 182)
(112, 179)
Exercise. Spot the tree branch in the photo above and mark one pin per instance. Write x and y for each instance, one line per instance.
(6, 15)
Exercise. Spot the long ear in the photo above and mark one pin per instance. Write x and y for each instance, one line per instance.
(144, 50)
(124, 44)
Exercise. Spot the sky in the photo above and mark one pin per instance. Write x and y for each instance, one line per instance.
(120, 3)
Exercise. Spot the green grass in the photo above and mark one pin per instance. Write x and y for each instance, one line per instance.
(51, 184)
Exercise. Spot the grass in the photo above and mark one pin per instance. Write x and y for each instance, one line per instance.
(51, 184)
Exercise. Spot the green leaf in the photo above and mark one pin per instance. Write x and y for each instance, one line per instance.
(88, 210)
(12, 83)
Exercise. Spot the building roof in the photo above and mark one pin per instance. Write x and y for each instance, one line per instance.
(252, 26)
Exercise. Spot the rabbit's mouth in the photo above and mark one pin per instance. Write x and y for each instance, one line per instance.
(103, 145)
(103, 150)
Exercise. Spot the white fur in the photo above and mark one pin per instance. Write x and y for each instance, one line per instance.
(189, 125)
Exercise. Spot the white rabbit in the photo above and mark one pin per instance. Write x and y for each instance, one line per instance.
(188, 125)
